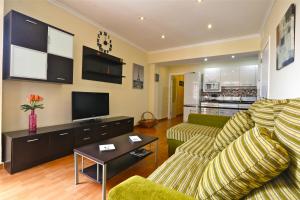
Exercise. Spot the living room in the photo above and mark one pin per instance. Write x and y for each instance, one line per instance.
(141, 45)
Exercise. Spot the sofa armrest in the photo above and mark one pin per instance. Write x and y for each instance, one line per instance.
(139, 188)
(208, 120)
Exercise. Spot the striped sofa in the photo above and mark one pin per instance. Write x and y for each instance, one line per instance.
(215, 157)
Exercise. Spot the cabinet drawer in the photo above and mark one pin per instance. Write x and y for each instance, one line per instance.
(29, 151)
(28, 32)
(61, 143)
(59, 69)
(83, 138)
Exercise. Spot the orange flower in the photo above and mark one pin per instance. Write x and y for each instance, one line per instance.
(35, 98)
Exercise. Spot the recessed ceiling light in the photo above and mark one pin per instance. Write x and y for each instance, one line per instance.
(209, 26)
(199, 1)
(205, 59)
(163, 36)
(233, 56)
(141, 18)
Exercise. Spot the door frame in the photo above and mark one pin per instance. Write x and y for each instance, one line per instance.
(266, 45)
(170, 93)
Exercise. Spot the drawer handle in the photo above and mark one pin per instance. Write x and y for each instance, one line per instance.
(103, 126)
(33, 140)
(64, 134)
(118, 123)
(87, 138)
(86, 129)
(29, 21)
(61, 79)
(104, 133)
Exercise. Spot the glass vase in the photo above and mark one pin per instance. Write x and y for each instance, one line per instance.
(32, 122)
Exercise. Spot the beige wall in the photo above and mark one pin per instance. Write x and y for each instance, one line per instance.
(1, 50)
(123, 99)
(284, 83)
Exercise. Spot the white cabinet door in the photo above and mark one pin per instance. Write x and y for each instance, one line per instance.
(212, 75)
(248, 75)
(60, 43)
(230, 76)
(28, 63)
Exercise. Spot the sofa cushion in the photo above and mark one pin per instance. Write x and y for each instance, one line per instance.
(185, 131)
(246, 164)
(234, 128)
(180, 172)
(277, 189)
(287, 131)
(199, 145)
(265, 112)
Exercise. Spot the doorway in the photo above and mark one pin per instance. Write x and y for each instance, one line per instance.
(176, 95)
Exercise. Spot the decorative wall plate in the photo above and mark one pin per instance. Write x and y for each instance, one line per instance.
(104, 42)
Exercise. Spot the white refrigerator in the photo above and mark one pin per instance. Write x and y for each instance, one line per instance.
(192, 94)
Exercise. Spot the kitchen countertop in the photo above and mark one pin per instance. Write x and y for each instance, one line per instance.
(225, 101)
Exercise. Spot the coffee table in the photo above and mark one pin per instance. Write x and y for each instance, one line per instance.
(111, 162)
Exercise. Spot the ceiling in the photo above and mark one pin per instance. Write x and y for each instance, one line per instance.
(183, 22)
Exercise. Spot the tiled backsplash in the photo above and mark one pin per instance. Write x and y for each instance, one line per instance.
(234, 92)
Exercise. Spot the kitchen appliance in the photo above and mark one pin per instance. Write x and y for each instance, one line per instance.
(212, 87)
(192, 93)
(89, 105)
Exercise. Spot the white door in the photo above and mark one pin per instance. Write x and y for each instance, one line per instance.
(264, 83)
(60, 43)
(28, 63)
(192, 87)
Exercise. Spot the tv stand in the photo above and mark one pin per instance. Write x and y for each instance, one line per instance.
(22, 150)
(90, 121)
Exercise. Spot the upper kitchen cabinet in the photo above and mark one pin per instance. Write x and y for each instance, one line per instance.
(35, 50)
(248, 75)
(60, 43)
(212, 75)
(230, 76)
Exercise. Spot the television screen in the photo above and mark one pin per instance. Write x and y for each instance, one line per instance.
(88, 105)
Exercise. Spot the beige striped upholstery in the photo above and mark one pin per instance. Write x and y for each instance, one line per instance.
(265, 112)
(199, 145)
(184, 131)
(280, 188)
(181, 172)
(246, 164)
(287, 131)
(234, 128)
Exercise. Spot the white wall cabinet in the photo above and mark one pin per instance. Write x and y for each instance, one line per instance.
(212, 75)
(60, 43)
(230, 76)
(28, 63)
(248, 75)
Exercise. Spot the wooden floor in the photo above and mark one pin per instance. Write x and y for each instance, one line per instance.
(55, 180)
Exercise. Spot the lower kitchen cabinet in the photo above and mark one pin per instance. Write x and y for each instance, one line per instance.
(22, 150)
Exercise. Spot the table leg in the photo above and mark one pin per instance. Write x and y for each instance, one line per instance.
(97, 172)
(82, 163)
(76, 168)
(156, 150)
(104, 182)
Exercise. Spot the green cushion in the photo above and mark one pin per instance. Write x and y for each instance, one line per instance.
(185, 131)
(180, 172)
(138, 188)
(247, 163)
(208, 120)
(280, 188)
(199, 145)
(234, 128)
(287, 131)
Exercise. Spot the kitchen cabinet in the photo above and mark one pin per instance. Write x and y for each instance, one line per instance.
(248, 75)
(230, 76)
(60, 43)
(60, 69)
(28, 63)
(212, 75)
(26, 31)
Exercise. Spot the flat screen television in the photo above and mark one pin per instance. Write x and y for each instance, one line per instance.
(89, 105)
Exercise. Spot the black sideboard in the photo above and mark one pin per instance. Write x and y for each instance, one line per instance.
(22, 150)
